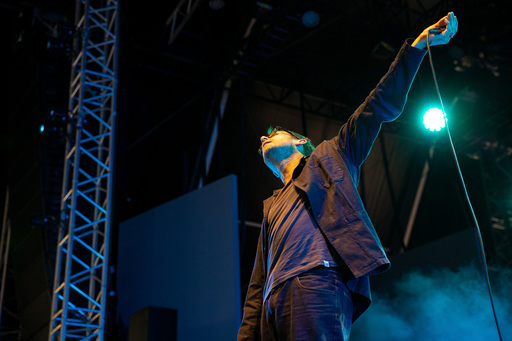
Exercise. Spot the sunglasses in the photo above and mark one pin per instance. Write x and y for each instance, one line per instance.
(272, 131)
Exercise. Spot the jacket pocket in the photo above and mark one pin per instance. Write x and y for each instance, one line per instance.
(326, 171)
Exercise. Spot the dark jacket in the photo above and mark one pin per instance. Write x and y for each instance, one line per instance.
(329, 178)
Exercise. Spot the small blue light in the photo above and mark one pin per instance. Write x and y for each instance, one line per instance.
(41, 128)
(310, 18)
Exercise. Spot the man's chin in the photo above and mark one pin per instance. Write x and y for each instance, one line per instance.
(268, 153)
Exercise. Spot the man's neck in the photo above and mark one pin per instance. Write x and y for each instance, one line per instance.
(287, 166)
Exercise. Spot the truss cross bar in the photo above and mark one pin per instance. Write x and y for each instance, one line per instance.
(92, 202)
(88, 247)
(80, 337)
(98, 84)
(91, 180)
(81, 324)
(94, 158)
(90, 222)
(180, 16)
(79, 261)
(87, 175)
(87, 310)
(96, 138)
(85, 274)
(87, 233)
(102, 27)
(85, 295)
(97, 61)
(99, 119)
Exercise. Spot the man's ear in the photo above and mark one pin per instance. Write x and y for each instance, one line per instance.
(301, 142)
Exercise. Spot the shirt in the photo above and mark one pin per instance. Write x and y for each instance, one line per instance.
(296, 244)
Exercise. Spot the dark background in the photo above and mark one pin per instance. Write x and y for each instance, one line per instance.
(169, 95)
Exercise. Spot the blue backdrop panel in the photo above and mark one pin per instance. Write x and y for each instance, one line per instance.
(184, 255)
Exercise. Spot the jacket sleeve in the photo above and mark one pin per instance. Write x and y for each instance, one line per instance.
(384, 104)
(250, 327)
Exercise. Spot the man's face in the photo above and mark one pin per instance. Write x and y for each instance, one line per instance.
(277, 138)
(278, 145)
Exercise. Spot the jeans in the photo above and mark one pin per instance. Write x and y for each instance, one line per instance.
(315, 305)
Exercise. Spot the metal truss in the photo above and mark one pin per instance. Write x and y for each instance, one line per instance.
(299, 101)
(179, 17)
(271, 31)
(276, 30)
(80, 286)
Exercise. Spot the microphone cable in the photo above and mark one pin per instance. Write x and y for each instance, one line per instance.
(477, 228)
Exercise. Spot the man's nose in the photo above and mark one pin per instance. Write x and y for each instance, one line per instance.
(263, 139)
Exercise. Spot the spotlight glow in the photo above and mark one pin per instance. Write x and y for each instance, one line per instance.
(310, 18)
(434, 119)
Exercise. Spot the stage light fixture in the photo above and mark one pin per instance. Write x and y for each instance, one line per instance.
(434, 119)
(217, 4)
(310, 18)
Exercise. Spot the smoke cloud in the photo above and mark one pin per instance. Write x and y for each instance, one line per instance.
(439, 304)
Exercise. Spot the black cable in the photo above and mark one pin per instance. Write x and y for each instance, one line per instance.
(477, 228)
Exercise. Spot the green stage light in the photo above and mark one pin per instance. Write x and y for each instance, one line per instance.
(434, 119)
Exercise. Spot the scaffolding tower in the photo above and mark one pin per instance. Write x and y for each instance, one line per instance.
(80, 286)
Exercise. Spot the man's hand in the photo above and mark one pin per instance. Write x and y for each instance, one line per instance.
(438, 34)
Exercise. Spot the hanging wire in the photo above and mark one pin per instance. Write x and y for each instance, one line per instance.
(477, 228)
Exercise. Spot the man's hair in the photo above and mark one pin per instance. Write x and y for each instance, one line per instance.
(306, 149)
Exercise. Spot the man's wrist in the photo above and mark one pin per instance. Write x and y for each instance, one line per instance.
(419, 43)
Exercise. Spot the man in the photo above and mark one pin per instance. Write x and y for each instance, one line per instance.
(317, 244)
